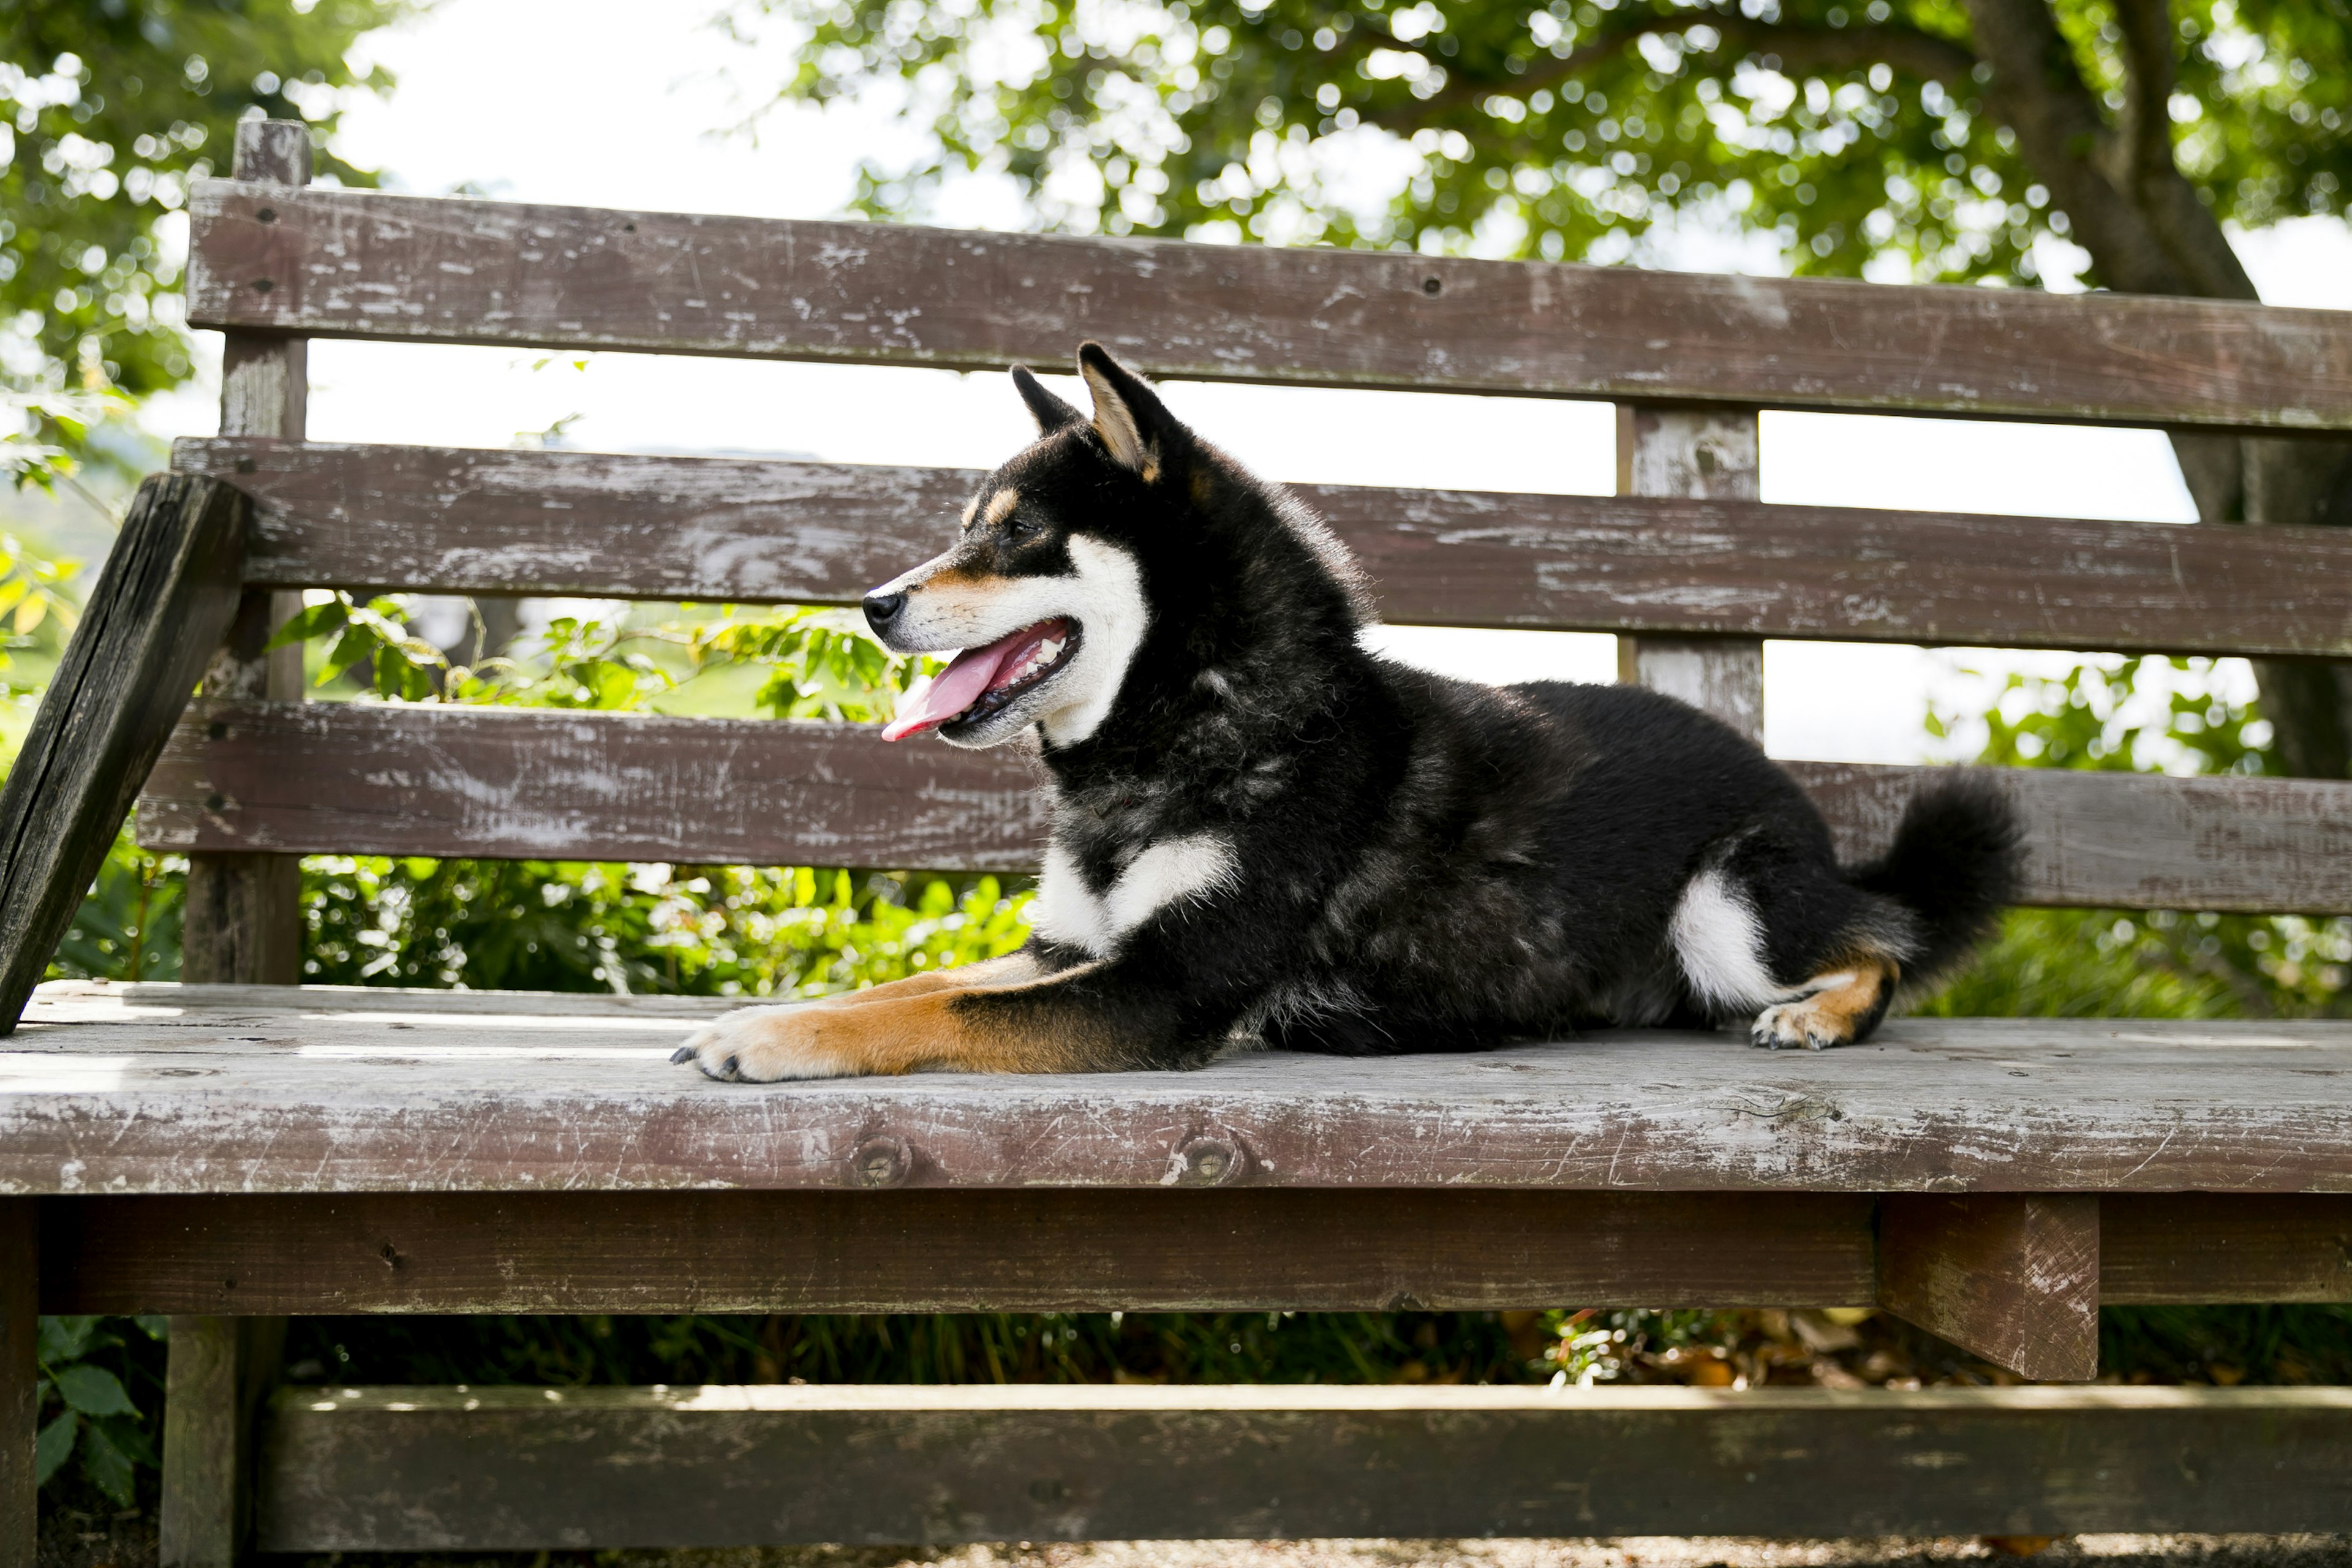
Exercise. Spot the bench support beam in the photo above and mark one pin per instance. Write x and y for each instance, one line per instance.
(219, 1371)
(1697, 454)
(243, 919)
(449, 1469)
(20, 1327)
(2012, 1277)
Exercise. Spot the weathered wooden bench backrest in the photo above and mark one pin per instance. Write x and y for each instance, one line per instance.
(1687, 563)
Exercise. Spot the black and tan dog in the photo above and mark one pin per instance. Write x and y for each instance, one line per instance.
(1265, 836)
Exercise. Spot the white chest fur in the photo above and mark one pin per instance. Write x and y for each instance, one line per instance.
(1171, 871)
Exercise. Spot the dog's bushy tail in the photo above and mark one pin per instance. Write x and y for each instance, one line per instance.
(1955, 863)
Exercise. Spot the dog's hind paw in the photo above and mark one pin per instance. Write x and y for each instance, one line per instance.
(763, 1045)
(1795, 1026)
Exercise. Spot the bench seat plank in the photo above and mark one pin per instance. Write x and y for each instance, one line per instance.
(370, 778)
(486, 1469)
(168, 1089)
(337, 263)
(718, 530)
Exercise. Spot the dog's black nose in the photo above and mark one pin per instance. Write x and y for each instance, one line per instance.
(881, 609)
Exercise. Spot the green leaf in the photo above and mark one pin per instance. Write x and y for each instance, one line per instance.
(125, 1434)
(107, 1466)
(354, 645)
(315, 620)
(52, 1447)
(94, 1391)
(64, 1339)
(154, 1325)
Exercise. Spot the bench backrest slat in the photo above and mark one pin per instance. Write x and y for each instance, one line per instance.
(711, 529)
(367, 778)
(363, 263)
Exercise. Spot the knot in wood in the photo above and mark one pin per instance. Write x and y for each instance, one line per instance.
(1209, 1161)
(881, 1162)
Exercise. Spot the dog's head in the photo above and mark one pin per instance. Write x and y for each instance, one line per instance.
(1046, 593)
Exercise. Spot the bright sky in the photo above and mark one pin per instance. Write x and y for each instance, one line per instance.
(603, 102)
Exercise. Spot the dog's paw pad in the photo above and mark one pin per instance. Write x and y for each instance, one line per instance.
(761, 1045)
(1789, 1026)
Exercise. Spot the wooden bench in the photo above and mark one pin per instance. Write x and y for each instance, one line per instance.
(234, 1150)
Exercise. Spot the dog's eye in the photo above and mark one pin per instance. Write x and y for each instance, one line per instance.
(1017, 527)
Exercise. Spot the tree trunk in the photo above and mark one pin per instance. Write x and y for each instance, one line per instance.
(2147, 233)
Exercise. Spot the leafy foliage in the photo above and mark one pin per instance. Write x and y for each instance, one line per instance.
(37, 607)
(2144, 715)
(113, 107)
(702, 930)
(819, 663)
(1852, 132)
(128, 928)
(84, 1362)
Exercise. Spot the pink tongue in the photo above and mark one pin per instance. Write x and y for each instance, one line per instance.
(950, 691)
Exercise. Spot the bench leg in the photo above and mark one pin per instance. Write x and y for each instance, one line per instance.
(218, 1372)
(2013, 1276)
(20, 1326)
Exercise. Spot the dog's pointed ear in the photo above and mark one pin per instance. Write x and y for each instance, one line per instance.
(1050, 412)
(1135, 426)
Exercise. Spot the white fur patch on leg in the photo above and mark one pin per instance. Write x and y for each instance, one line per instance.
(1066, 910)
(1721, 944)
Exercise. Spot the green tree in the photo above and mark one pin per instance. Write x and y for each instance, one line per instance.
(112, 107)
(1928, 140)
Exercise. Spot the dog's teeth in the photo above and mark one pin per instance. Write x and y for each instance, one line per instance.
(1048, 652)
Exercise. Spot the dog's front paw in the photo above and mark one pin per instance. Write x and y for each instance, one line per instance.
(764, 1045)
(1793, 1026)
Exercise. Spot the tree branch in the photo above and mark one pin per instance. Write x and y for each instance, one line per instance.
(2144, 128)
(2042, 97)
(2140, 161)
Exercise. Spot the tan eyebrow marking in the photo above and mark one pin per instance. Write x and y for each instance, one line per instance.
(970, 507)
(1000, 505)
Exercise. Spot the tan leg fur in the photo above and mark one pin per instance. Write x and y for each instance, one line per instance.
(1833, 1009)
(922, 1024)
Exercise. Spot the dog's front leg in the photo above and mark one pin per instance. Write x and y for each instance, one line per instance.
(1007, 1016)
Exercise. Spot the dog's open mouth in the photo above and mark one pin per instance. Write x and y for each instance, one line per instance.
(979, 681)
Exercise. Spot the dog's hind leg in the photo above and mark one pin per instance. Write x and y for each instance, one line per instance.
(1835, 1008)
(1769, 934)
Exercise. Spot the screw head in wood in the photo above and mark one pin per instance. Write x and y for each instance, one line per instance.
(1208, 1161)
(266, 215)
(1432, 285)
(263, 285)
(881, 1162)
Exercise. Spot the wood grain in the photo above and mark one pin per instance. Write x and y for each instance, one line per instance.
(364, 264)
(462, 520)
(342, 778)
(1702, 454)
(219, 1374)
(1047, 1249)
(253, 1089)
(2193, 1249)
(490, 1469)
(2013, 1276)
(162, 601)
(20, 1323)
(1029, 1251)
(2132, 841)
(243, 921)
(523, 784)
